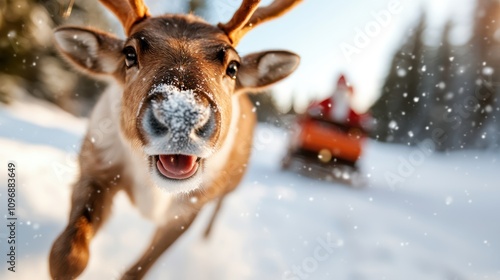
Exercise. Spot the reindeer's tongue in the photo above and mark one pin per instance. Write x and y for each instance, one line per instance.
(177, 166)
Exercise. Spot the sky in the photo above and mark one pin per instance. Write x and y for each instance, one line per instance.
(338, 36)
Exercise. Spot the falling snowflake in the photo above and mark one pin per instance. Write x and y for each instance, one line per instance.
(402, 72)
(488, 71)
(393, 124)
(448, 200)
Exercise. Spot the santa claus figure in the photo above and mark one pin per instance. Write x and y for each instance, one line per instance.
(337, 108)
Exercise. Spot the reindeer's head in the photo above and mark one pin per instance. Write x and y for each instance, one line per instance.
(178, 75)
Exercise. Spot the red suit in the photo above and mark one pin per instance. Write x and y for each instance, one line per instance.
(337, 109)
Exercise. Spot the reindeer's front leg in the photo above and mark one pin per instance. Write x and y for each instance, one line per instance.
(163, 238)
(90, 205)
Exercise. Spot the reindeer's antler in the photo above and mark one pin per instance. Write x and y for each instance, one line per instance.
(129, 12)
(248, 16)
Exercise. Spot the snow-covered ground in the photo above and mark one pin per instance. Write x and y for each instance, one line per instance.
(438, 217)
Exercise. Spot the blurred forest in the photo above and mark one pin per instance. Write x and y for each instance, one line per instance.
(446, 93)
(29, 64)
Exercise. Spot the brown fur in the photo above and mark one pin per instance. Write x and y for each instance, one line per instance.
(128, 13)
(178, 50)
(178, 53)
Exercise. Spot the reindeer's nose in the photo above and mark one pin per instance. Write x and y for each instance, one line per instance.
(180, 116)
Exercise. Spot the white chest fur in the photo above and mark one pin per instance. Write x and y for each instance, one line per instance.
(151, 201)
(104, 131)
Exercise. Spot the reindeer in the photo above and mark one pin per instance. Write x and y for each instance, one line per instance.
(175, 124)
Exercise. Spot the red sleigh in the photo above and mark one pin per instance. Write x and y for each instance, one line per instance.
(325, 149)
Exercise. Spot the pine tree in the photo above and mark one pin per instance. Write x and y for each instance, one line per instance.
(452, 89)
(416, 77)
(437, 98)
(403, 77)
(487, 66)
(28, 61)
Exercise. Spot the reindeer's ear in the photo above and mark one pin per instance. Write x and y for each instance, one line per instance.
(92, 51)
(262, 69)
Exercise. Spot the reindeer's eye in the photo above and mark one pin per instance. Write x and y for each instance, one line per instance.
(130, 56)
(232, 69)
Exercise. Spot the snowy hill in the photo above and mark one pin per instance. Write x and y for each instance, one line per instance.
(437, 220)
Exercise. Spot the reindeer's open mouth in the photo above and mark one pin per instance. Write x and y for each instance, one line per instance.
(177, 167)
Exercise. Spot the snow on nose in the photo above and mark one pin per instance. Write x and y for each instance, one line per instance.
(179, 110)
